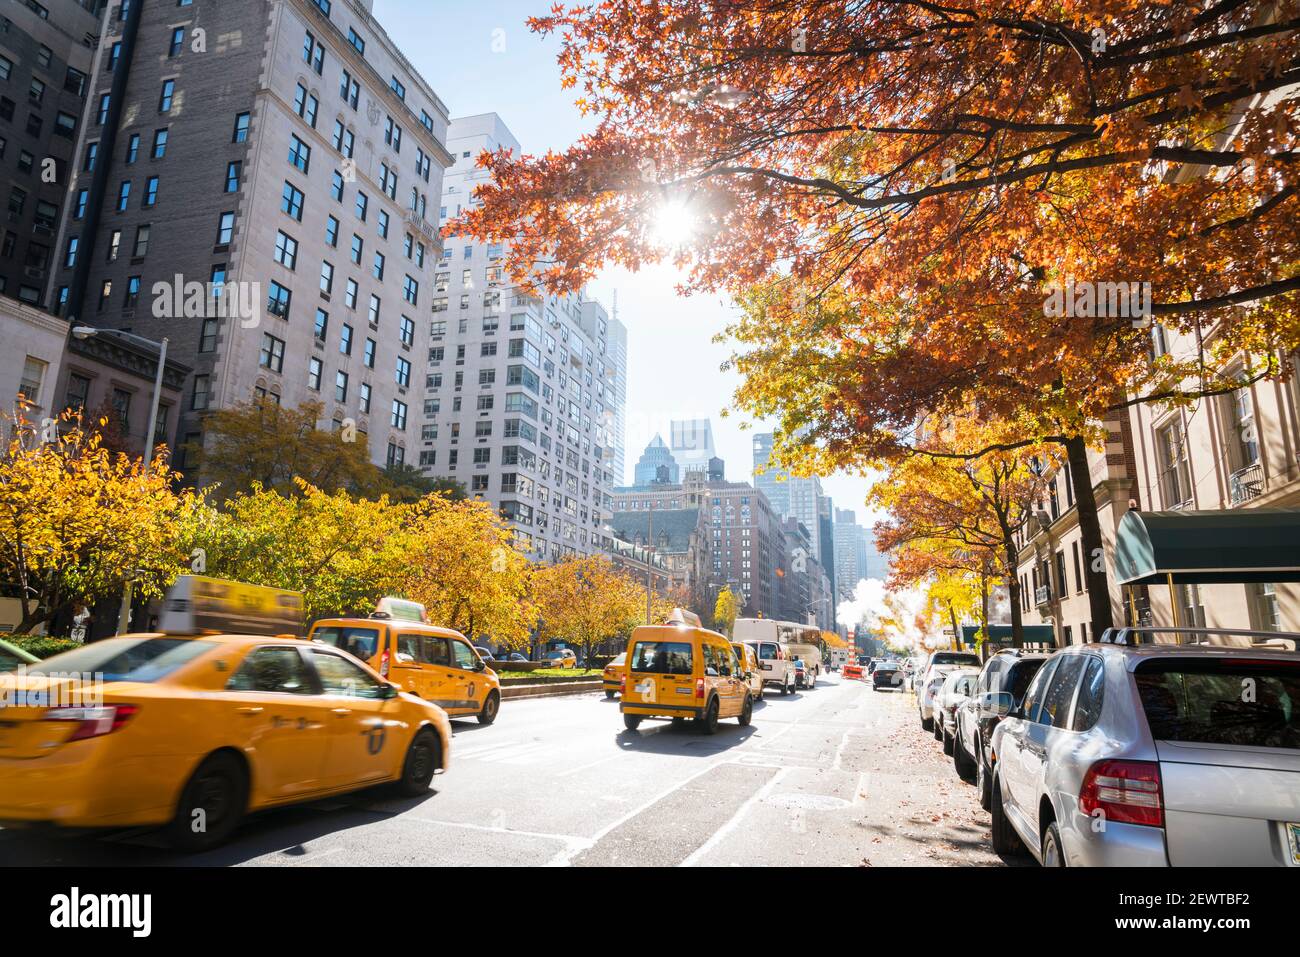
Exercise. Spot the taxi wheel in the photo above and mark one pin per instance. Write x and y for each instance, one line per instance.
(631, 721)
(421, 761)
(211, 805)
(747, 714)
(709, 723)
(491, 706)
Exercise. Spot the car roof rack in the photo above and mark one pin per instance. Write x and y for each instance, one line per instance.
(1151, 635)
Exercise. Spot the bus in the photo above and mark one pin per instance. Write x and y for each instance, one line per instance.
(801, 641)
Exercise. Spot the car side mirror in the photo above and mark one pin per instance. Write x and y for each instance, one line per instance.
(481, 665)
(996, 704)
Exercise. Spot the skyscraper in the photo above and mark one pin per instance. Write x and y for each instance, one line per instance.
(691, 442)
(655, 458)
(525, 384)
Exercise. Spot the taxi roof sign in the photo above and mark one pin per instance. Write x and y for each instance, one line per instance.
(197, 605)
(400, 609)
(681, 616)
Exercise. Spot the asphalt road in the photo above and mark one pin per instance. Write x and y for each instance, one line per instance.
(839, 775)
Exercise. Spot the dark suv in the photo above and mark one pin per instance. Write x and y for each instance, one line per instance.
(1010, 671)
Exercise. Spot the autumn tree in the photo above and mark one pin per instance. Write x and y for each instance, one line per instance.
(462, 565)
(894, 190)
(725, 610)
(269, 446)
(586, 601)
(960, 518)
(343, 553)
(77, 521)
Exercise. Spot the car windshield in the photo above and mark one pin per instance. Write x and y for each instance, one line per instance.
(126, 659)
(663, 658)
(359, 642)
(955, 658)
(1244, 703)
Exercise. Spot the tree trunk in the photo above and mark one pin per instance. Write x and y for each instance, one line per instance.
(956, 635)
(1013, 594)
(1090, 533)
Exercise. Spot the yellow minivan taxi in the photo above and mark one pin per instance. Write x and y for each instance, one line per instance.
(681, 670)
(436, 664)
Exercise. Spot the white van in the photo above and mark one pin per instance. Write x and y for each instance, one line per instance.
(777, 644)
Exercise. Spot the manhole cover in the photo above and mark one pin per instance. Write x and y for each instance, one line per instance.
(808, 802)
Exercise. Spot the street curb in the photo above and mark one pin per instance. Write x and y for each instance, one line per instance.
(550, 689)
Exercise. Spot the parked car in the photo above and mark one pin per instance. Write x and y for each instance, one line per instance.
(614, 675)
(928, 685)
(889, 674)
(484, 653)
(775, 663)
(958, 685)
(1010, 671)
(1127, 752)
(516, 656)
(563, 658)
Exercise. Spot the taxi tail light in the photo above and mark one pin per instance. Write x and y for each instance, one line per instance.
(383, 665)
(94, 722)
(699, 687)
(1127, 792)
(622, 683)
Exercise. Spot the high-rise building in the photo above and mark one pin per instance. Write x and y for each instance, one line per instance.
(45, 60)
(526, 385)
(252, 182)
(612, 334)
(769, 479)
(793, 496)
(849, 554)
(656, 465)
(691, 442)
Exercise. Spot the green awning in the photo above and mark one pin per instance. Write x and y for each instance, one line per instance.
(1001, 634)
(1210, 547)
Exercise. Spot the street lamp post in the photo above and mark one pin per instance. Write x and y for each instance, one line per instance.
(86, 332)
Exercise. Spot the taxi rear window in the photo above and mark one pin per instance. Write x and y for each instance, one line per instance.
(361, 643)
(126, 659)
(663, 658)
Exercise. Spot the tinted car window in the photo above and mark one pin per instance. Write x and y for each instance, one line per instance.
(955, 658)
(767, 651)
(434, 651)
(1088, 708)
(361, 643)
(409, 645)
(1037, 687)
(990, 675)
(663, 658)
(463, 656)
(1249, 704)
(338, 676)
(1056, 703)
(1020, 674)
(277, 670)
(127, 659)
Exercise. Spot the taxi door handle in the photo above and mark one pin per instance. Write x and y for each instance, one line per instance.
(252, 709)
(341, 712)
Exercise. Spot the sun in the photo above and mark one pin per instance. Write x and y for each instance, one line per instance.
(675, 223)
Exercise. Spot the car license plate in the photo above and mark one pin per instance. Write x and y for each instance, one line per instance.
(1293, 838)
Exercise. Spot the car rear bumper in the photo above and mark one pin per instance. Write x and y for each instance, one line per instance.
(1095, 843)
(79, 790)
(662, 710)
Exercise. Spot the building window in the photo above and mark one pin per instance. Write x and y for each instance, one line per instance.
(1175, 473)
(240, 134)
(299, 153)
(164, 98)
(141, 241)
(277, 300)
(363, 398)
(123, 195)
(272, 355)
(199, 397)
(233, 171)
(159, 143)
(322, 324)
(150, 192)
(403, 373)
(1266, 607)
(225, 229)
(286, 251)
(340, 386)
(291, 200)
(313, 374)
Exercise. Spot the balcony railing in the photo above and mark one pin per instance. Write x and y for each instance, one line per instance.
(1245, 484)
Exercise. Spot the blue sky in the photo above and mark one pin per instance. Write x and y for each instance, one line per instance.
(480, 57)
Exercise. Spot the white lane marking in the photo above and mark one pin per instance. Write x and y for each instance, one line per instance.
(591, 764)
(573, 842)
(733, 822)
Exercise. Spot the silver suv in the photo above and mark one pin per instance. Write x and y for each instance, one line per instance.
(1154, 747)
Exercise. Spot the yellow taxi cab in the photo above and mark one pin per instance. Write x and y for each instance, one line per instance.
(749, 668)
(562, 658)
(614, 674)
(681, 670)
(193, 731)
(433, 663)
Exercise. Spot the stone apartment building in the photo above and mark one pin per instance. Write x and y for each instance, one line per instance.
(521, 389)
(45, 59)
(253, 182)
